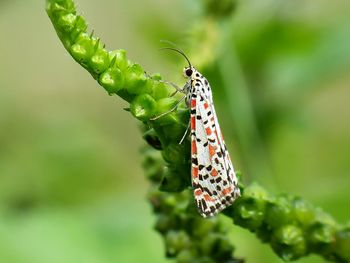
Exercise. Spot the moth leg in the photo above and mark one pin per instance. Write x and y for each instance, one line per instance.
(184, 136)
(176, 87)
(169, 111)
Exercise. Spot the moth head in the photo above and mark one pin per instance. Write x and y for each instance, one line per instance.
(188, 71)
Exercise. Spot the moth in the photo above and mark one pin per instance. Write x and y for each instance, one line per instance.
(214, 180)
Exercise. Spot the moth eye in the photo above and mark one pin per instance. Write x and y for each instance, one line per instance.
(188, 72)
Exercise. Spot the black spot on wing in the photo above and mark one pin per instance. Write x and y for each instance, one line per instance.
(218, 180)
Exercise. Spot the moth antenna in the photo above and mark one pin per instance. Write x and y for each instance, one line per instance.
(170, 43)
(180, 52)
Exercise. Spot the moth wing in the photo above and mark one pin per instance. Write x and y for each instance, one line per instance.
(213, 178)
(228, 163)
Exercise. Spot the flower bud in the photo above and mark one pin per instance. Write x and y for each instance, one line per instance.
(143, 107)
(288, 242)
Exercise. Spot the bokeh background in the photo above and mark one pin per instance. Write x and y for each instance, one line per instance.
(71, 183)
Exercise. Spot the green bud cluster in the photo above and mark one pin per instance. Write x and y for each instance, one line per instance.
(148, 95)
(188, 237)
(292, 226)
(114, 72)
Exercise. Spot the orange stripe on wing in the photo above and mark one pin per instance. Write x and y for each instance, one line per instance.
(211, 150)
(193, 122)
(207, 198)
(227, 191)
(194, 147)
(208, 131)
(195, 172)
(198, 192)
(214, 172)
(193, 103)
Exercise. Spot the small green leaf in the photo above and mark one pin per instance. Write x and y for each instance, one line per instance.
(66, 23)
(176, 241)
(80, 26)
(99, 62)
(136, 80)
(288, 242)
(278, 212)
(83, 49)
(172, 181)
(143, 107)
(112, 80)
(120, 59)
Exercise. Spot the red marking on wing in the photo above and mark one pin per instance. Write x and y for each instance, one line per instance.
(193, 103)
(227, 191)
(211, 150)
(206, 105)
(194, 147)
(193, 122)
(207, 198)
(198, 192)
(214, 172)
(194, 172)
(208, 131)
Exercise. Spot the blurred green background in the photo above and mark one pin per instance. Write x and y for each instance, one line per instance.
(71, 183)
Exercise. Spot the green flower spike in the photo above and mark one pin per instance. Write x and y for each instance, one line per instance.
(293, 227)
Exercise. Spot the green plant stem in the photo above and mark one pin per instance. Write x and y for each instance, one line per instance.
(290, 225)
